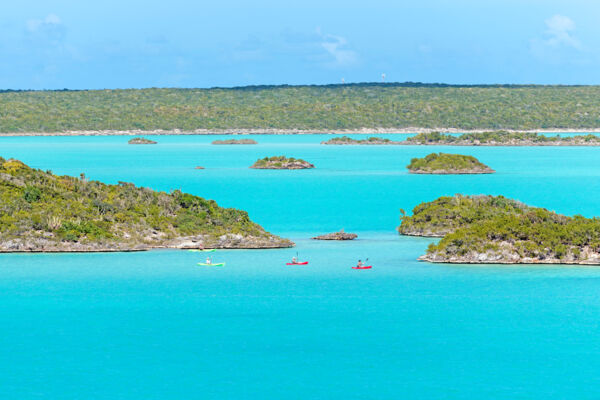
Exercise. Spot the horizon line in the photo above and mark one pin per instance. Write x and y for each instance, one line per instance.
(327, 85)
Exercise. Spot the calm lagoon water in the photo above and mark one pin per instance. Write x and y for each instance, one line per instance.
(155, 326)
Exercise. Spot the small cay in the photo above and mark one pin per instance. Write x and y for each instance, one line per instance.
(235, 141)
(497, 230)
(341, 235)
(281, 162)
(141, 140)
(345, 140)
(446, 164)
(42, 212)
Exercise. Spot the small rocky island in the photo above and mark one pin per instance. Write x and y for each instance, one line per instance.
(345, 140)
(235, 141)
(501, 138)
(341, 235)
(497, 230)
(42, 212)
(281, 162)
(445, 164)
(141, 140)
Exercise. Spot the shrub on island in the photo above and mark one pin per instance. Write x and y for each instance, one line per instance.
(488, 229)
(44, 212)
(235, 141)
(281, 162)
(141, 140)
(502, 138)
(443, 163)
(341, 235)
(348, 140)
(448, 213)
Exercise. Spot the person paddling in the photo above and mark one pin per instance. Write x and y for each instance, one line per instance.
(208, 260)
(294, 260)
(359, 264)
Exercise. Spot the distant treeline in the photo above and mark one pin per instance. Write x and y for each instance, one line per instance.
(329, 107)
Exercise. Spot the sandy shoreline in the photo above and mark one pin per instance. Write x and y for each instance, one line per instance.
(367, 131)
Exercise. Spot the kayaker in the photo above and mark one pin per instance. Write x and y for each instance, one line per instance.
(294, 260)
(359, 264)
(208, 260)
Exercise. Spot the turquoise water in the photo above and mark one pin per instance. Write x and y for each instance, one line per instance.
(155, 326)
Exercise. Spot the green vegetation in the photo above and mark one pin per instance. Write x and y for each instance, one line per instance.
(448, 213)
(281, 162)
(141, 140)
(538, 234)
(349, 140)
(443, 163)
(494, 229)
(501, 138)
(41, 211)
(304, 107)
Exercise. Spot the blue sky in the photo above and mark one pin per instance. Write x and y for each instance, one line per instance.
(75, 44)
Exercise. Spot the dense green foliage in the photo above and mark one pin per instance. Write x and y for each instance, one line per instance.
(448, 213)
(536, 233)
(446, 162)
(506, 229)
(304, 107)
(38, 204)
(498, 137)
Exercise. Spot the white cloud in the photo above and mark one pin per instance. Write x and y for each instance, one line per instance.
(50, 22)
(559, 31)
(558, 43)
(335, 46)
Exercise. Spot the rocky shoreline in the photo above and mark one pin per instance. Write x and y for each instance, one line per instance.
(274, 131)
(227, 241)
(454, 172)
(422, 232)
(509, 255)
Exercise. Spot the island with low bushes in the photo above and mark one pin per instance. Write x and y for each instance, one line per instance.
(497, 230)
(448, 213)
(281, 162)
(43, 212)
(340, 235)
(235, 141)
(372, 108)
(141, 140)
(501, 138)
(346, 140)
(445, 164)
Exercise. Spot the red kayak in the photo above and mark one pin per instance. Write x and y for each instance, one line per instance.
(365, 267)
(297, 263)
